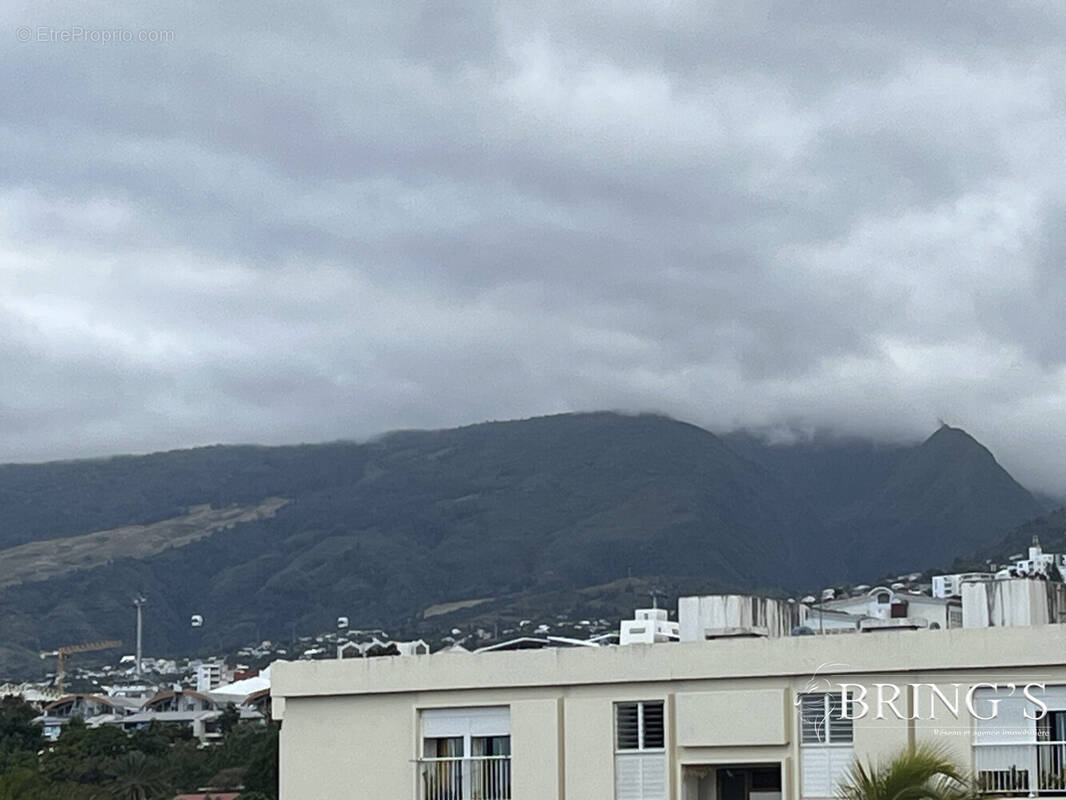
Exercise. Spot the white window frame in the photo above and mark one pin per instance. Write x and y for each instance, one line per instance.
(835, 756)
(827, 719)
(466, 724)
(640, 748)
(649, 763)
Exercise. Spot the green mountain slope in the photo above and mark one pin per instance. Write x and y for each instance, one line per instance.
(945, 497)
(893, 507)
(380, 531)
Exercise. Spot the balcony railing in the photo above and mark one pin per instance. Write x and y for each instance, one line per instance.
(1037, 769)
(475, 778)
(1051, 767)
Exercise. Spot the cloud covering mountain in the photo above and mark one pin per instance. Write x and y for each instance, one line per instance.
(282, 226)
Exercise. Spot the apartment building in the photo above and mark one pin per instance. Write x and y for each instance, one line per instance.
(725, 719)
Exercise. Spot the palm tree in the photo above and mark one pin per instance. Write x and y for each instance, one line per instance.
(924, 772)
(137, 778)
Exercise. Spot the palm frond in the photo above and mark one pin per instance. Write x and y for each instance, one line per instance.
(925, 772)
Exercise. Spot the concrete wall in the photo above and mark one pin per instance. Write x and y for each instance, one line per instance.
(338, 747)
(537, 727)
(1012, 602)
(756, 717)
(720, 611)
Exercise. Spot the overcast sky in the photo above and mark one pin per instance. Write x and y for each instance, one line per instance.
(294, 223)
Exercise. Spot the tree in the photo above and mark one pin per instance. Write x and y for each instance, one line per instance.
(20, 739)
(20, 783)
(262, 774)
(919, 773)
(229, 719)
(82, 754)
(137, 777)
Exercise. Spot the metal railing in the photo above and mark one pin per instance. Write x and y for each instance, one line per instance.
(1004, 769)
(1031, 770)
(1051, 767)
(474, 778)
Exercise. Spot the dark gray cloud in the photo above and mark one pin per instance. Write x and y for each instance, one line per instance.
(294, 224)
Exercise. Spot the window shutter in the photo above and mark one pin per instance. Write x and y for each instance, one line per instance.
(823, 769)
(628, 726)
(653, 777)
(628, 778)
(840, 729)
(822, 720)
(653, 726)
(640, 776)
(812, 719)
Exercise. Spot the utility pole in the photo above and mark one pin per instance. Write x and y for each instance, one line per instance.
(139, 604)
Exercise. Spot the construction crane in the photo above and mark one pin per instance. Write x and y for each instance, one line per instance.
(61, 653)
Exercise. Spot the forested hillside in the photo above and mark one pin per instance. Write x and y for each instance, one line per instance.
(381, 530)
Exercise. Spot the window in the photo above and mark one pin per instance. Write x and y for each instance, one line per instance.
(1015, 754)
(640, 755)
(466, 754)
(822, 719)
(639, 726)
(826, 738)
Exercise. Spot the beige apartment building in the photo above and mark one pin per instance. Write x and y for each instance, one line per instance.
(727, 719)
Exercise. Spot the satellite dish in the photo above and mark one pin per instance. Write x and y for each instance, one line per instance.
(196, 621)
(342, 623)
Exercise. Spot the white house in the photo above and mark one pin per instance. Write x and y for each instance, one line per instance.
(884, 603)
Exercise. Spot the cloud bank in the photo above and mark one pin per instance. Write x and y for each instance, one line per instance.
(291, 224)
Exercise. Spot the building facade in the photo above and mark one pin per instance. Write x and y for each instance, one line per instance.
(727, 719)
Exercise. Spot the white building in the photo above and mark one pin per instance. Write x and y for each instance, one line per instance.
(649, 625)
(1039, 562)
(1038, 565)
(885, 603)
(729, 719)
(945, 586)
(237, 691)
(209, 675)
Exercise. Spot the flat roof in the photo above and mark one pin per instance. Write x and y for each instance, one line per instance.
(849, 654)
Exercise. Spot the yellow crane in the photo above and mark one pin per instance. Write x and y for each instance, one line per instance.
(61, 653)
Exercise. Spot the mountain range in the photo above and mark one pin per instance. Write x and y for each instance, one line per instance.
(265, 542)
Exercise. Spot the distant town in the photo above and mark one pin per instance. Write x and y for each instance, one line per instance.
(203, 695)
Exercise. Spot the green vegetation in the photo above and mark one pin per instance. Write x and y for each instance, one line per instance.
(107, 764)
(546, 507)
(919, 773)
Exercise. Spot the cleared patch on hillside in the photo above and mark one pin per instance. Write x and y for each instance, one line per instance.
(38, 561)
(448, 608)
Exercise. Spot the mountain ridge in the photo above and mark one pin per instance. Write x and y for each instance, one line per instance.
(381, 530)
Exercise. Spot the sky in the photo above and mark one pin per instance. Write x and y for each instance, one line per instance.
(285, 222)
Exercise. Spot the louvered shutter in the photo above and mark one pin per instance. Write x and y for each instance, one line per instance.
(640, 776)
(652, 719)
(627, 726)
(823, 769)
